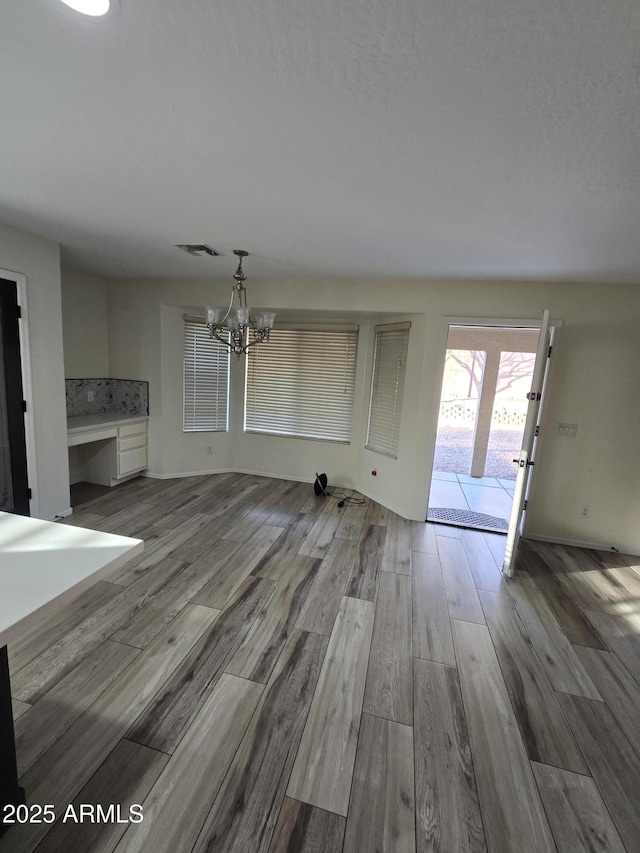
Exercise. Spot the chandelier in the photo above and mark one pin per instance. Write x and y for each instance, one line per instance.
(236, 329)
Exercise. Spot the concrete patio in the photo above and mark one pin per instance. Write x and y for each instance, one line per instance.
(486, 495)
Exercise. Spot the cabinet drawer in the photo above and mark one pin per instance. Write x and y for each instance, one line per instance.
(91, 435)
(132, 429)
(132, 460)
(132, 441)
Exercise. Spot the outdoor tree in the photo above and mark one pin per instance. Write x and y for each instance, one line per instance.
(472, 362)
(513, 367)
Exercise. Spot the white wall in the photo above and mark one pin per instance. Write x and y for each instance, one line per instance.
(135, 352)
(184, 453)
(595, 386)
(84, 325)
(596, 373)
(39, 261)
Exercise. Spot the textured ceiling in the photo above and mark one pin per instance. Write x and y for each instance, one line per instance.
(368, 138)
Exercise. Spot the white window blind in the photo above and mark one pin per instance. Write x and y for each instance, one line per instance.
(387, 388)
(301, 383)
(206, 380)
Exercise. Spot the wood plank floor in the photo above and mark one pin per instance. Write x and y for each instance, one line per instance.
(275, 673)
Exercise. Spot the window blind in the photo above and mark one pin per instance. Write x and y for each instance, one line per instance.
(301, 384)
(387, 388)
(206, 380)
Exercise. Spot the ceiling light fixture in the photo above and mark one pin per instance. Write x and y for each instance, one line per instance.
(236, 329)
(94, 8)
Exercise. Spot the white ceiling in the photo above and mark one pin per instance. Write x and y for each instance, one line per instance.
(356, 138)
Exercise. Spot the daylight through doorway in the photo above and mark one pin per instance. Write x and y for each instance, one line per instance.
(483, 405)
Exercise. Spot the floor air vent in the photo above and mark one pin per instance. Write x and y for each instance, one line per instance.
(466, 518)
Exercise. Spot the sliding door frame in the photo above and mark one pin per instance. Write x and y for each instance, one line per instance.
(27, 385)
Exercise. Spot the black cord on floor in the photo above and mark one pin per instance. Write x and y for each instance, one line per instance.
(350, 500)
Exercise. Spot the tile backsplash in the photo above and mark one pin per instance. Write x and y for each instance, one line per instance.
(120, 396)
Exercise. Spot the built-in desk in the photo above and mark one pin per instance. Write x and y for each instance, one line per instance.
(43, 566)
(116, 446)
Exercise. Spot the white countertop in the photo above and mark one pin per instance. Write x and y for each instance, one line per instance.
(85, 422)
(44, 565)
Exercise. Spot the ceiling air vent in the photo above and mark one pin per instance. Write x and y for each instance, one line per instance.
(196, 249)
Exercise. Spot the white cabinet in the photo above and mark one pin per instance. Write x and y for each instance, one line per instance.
(132, 448)
(110, 453)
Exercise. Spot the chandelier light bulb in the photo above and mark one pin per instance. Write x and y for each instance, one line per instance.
(243, 315)
(213, 316)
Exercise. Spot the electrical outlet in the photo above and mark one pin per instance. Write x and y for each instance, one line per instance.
(584, 512)
(209, 448)
(568, 430)
(90, 396)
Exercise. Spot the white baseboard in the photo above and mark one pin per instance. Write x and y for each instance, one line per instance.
(178, 474)
(579, 543)
(295, 479)
(63, 514)
(249, 471)
(388, 506)
(273, 476)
